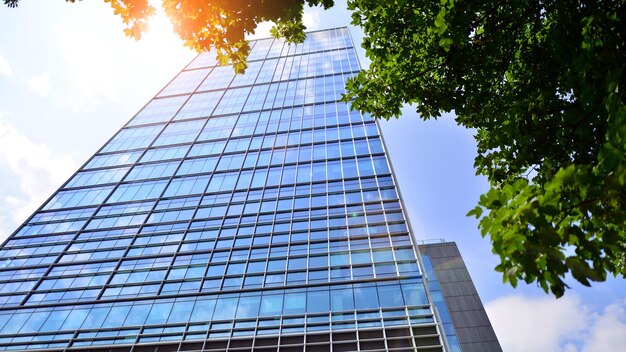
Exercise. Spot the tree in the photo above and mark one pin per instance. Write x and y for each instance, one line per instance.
(540, 82)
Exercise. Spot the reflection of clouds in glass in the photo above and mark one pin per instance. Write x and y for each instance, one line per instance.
(158, 110)
(185, 82)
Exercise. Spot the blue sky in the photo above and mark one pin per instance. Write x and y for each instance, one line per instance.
(69, 79)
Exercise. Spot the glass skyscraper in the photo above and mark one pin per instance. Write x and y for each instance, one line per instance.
(232, 213)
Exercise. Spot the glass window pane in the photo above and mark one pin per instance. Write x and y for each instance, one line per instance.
(365, 296)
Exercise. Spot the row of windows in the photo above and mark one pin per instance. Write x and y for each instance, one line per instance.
(277, 234)
(22, 274)
(270, 199)
(234, 100)
(314, 189)
(188, 185)
(19, 286)
(279, 155)
(32, 261)
(325, 116)
(291, 328)
(40, 229)
(286, 209)
(259, 72)
(299, 226)
(113, 159)
(152, 283)
(218, 267)
(97, 177)
(226, 307)
(206, 241)
(297, 92)
(253, 205)
(251, 158)
(264, 122)
(221, 284)
(303, 138)
(269, 48)
(319, 231)
(218, 277)
(292, 153)
(302, 226)
(273, 176)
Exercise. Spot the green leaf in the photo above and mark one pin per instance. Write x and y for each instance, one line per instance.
(446, 43)
(477, 212)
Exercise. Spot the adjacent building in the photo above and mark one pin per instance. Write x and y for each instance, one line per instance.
(460, 310)
(247, 212)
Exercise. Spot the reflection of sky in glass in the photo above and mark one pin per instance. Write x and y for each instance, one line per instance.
(244, 187)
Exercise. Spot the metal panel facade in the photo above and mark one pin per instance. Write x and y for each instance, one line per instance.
(465, 321)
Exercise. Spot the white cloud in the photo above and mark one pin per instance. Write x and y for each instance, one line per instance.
(525, 324)
(105, 66)
(30, 172)
(311, 18)
(39, 84)
(5, 68)
(262, 30)
(535, 324)
(609, 331)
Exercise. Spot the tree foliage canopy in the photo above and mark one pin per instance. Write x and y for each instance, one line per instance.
(542, 83)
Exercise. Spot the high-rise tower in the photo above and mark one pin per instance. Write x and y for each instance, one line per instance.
(234, 212)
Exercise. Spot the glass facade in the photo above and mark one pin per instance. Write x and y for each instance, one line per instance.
(439, 302)
(233, 212)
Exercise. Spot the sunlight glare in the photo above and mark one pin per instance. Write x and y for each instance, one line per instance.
(160, 24)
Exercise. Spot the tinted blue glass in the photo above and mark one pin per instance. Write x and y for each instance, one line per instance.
(318, 301)
(365, 296)
(225, 198)
(158, 110)
(294, 303)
